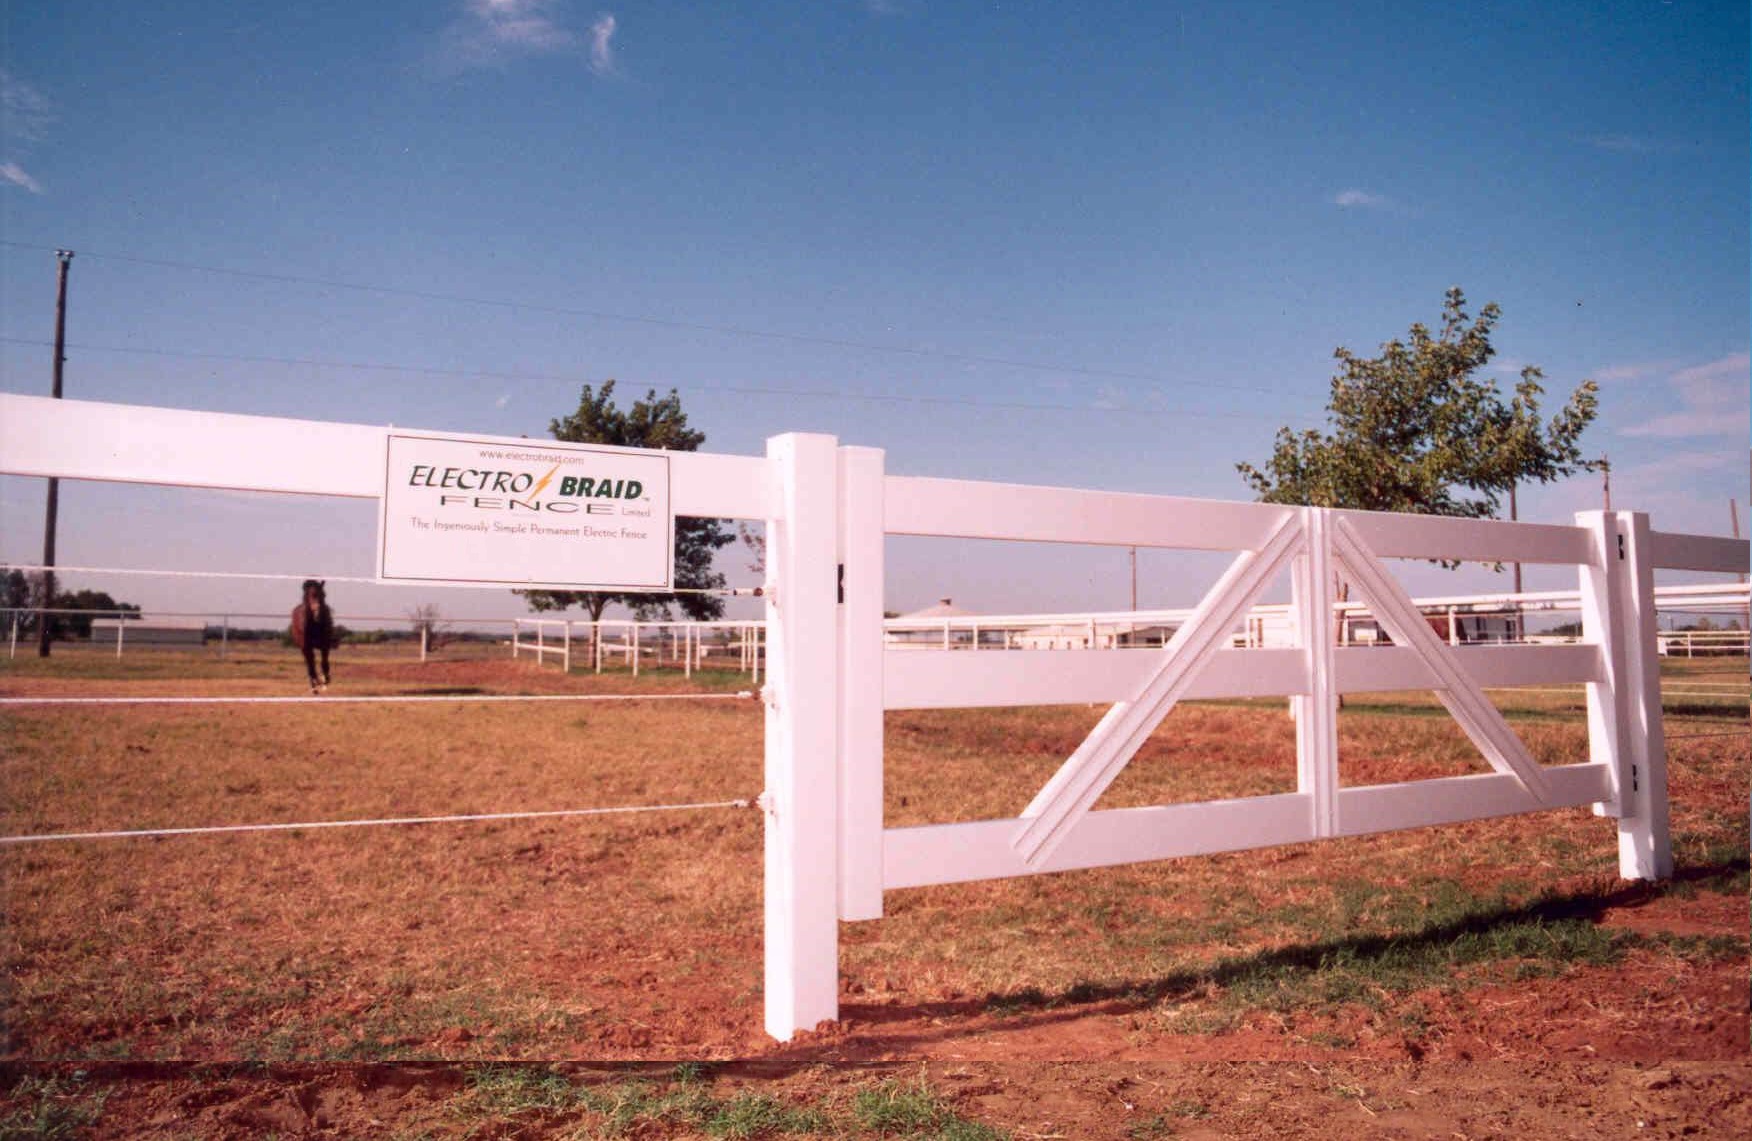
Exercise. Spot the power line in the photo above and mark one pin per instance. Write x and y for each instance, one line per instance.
(732, 389)
(668, 322)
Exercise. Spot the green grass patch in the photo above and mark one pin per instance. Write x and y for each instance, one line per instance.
(686, 1104)
(49, 1109)
(1369, 944)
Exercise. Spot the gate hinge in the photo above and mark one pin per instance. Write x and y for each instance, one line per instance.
(842, 583)
(1634, 785)
(1621, 547)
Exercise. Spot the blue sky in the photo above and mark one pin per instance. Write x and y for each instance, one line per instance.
(1170, 213)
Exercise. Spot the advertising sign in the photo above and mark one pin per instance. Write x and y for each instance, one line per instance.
(523, 514)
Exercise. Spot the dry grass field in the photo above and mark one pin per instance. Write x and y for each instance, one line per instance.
(423, 981)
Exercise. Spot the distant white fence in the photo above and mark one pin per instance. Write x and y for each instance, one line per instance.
(829, 854)
(690, 643)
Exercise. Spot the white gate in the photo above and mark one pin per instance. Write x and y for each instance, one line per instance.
(829, 854)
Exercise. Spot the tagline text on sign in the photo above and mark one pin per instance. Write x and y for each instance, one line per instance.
(514, 513)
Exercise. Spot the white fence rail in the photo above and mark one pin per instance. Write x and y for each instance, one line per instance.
(830, 855)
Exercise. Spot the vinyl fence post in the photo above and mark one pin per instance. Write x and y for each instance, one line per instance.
(861, 541)
(1645, 850)
(12, 647)
(596, 642)
(633, 646)
(424, 632)
(1624, 707)
(566, 654)
(802, 736)
(1316, 712)
(121, 624)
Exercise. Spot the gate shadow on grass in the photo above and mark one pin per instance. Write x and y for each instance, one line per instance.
(1564, 929)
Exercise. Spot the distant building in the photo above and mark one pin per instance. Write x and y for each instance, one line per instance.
(157, 632)
(941, 626)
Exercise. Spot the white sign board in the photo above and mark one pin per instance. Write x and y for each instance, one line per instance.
(517, 513)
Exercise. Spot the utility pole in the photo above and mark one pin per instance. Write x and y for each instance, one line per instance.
(1606, 479)
(1734, 521)
(64, 258)
(1514, 516)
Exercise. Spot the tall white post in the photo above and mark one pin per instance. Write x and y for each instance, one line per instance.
(1316, 712)
(121, 624)
(596, 643)
(1645, 849)
(225, 636)
(425, 639)
(566, 652)
(861, 542)
(802, 736)
(633, 646)
(12, 649)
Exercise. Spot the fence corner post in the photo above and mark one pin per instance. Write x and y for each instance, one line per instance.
(802, 735)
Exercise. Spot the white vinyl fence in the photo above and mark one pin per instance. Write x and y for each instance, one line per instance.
(829, 855)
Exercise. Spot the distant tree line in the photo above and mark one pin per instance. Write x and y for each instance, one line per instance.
(26, 592)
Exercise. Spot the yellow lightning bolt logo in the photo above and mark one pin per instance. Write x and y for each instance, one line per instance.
(543, 481)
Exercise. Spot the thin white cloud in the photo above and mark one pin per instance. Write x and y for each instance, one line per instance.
(1678, 464)
(1713, 400)
(1735, 367)
(1632, 370)
(1622, 144)
(15, 175)
(602, 44)
(492, 33)
(25, 115)
(1354, 199)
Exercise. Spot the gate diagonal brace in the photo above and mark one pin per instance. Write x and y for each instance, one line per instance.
(1465, 700)
(1067, 798)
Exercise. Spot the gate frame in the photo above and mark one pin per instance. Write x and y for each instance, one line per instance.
(830, 857)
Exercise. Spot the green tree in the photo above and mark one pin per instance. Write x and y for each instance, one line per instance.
(653, 422)
(1417, 429)
(23, 592)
